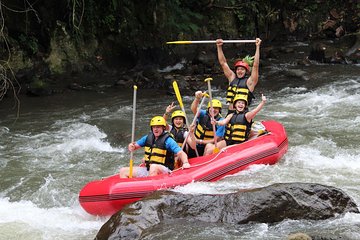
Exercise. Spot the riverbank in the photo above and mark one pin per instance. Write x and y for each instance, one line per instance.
(193, 67)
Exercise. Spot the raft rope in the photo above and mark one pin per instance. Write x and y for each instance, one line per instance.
(210, 160)
(221, 151)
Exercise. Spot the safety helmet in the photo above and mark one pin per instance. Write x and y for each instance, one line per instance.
(216, 104)
(240, 97)
(178, 113)
(242, 64)
(157, 121)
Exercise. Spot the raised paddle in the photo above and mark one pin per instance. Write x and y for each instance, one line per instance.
(216, 149)
(132, 132)
(178, 96)
(211, 41)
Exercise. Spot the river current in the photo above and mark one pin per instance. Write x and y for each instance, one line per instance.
(60, 143)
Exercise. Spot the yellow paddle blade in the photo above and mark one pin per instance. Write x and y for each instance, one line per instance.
(177, 93)
(216, 150)
(179, 42)
(131, 168)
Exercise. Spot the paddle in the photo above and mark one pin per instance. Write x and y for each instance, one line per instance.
(216, 149)
(195, 117)
(132, 132)
(211, 41)
(178, 96)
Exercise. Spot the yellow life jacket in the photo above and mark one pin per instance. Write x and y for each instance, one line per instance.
(156, 152)
(238, 129)
(238, 87)
(204, 129)
(178, 134)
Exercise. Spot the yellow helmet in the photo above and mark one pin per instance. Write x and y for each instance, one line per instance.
(216, 104)
(178, 113)
(240, 97)
(157, 121)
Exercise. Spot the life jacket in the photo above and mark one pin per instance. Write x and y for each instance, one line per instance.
(238, 128)
(178, 134)
(238, 86)
(204, 129)
(156, 152)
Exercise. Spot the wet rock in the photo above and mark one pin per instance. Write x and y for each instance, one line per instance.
(317, 53)
(75, 86)
(263, 205)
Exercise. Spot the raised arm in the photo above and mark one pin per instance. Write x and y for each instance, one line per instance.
(254, 77)
(229, 74)
(224, 121)
(195, 103)
(250, 115)
(167, 113)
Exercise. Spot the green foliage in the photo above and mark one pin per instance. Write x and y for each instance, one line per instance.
(135, 19)
(29, 44)
(38, 84)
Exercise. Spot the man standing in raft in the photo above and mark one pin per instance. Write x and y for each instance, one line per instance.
(240, 83)
(159, 151)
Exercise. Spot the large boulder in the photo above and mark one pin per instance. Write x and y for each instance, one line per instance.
(263, 205)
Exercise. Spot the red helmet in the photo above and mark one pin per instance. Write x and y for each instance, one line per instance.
(242, 64)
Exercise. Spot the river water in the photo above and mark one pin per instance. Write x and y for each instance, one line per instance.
(60, 143)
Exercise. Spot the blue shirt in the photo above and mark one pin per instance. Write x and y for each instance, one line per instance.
(170, 144)
(220, 130)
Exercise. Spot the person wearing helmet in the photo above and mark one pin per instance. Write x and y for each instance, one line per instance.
(204, 133)
(238, 123)
(178, 130)
(160, 149)
(240, 79)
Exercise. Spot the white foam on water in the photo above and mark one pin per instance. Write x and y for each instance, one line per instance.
(177, 66)
(78, 137)
(228, 184)
(49, 223)
(324, 154)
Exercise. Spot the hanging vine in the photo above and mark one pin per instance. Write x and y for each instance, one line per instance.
(78, 9)
(8, 81)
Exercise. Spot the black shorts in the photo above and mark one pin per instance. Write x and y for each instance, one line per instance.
(200, 148)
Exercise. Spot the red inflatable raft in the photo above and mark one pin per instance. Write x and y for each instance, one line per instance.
(109, 195)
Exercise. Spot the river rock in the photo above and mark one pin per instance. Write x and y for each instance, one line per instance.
(263, 205)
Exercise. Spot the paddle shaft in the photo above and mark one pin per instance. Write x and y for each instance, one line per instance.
(211, 41)
(212, 109)
(194, 120)
(132, 132)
